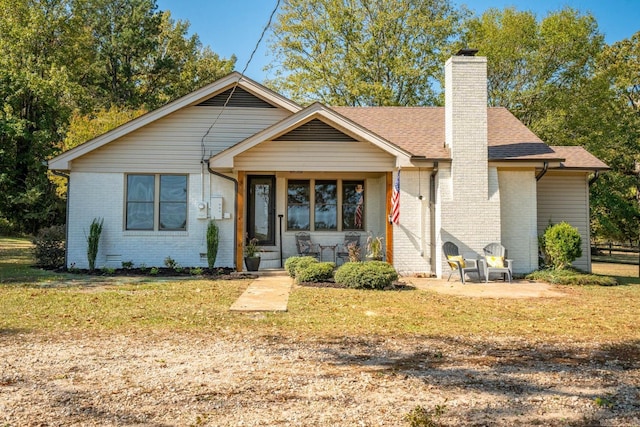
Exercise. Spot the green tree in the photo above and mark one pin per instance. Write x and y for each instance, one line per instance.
(364, 52)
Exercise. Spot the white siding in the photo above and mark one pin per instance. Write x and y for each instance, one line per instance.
(315, 156)
(101, 195)
(411, 237)
(173, 143)
(565, 197)
(518, 218)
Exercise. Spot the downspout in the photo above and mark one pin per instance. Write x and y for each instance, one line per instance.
(66, 216)
(432, 217)
(235, 207)
(596, 174)
(543, 171)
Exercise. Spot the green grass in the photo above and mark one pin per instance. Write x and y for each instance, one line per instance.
(40, 302)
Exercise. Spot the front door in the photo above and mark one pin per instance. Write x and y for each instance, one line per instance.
(261, 208)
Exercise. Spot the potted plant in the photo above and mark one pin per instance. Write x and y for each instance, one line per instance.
(374, 247)
(251, 259)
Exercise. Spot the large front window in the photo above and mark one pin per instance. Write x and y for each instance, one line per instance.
(333, 205)
(156, 202)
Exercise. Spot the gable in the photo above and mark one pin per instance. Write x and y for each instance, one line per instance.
(240, 98)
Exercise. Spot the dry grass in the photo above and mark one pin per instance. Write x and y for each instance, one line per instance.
(57, 303)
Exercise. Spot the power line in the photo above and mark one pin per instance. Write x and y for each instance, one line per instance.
(233, 89)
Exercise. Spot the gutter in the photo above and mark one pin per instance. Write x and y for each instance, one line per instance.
(543, 171)
(66, 216)
(596, 175)
(235, 208)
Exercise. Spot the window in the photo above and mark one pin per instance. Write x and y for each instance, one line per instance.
(324, 205)
(298, 203)
(156, 202)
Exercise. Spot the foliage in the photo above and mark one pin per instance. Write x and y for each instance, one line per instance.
(422, 417)
(49, 247)
(366, 275)
(93, 241)
(315, 272)
(354, 252)
(213, 240)
(171, 263)
(562, 245)
(571, 277)
(364, 52)
(295, 263)
(251, 248)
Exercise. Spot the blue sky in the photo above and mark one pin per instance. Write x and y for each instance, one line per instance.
(234, 26)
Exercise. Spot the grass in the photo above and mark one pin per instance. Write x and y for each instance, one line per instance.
(41, 302)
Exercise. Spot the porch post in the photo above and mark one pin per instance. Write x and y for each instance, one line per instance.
(240, 222)
(388, 224)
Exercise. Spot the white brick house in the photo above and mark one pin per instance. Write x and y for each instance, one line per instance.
(260, 165)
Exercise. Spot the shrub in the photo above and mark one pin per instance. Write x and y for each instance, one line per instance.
(213, 239)
(93, 240)
(315, 272)
(7, 227)
(293, 263)
(366, 275)
(49, 247)
(571, 277)
(562, 245)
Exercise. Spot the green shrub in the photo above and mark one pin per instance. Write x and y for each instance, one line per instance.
(562, 245)
(315, 272)
(7, 228)
(49, 247)
(571, 277)
(366, 275)
(93, 240)
(213, 240)
(293, 263)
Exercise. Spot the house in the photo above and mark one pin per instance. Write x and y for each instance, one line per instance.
(263, 166)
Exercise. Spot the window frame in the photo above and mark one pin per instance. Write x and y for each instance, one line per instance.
(156, 202)
(339, 206)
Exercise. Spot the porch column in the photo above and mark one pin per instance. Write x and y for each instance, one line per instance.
(388, 225)
(240, 222)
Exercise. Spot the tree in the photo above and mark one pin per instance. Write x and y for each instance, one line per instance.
(364, 52)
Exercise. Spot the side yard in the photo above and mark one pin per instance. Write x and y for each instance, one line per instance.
(108, 351)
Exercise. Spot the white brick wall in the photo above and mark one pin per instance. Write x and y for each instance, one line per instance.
(101, 195)
(518, 209)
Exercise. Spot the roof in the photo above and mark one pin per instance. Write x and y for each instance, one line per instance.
(577, 157)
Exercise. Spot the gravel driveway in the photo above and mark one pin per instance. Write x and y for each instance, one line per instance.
(197, 379)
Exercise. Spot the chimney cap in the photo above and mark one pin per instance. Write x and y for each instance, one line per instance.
(467, 52)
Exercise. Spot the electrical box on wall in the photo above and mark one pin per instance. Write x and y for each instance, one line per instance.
(216, 207)
(202, 210)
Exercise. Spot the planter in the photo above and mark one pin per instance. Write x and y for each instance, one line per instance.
(252, 263)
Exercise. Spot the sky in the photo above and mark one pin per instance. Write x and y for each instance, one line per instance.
(233, 27)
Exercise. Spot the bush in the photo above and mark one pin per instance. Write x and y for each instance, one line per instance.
(571, 277)
(7, 228)
(366, 275)
(49, 248)
(293, 263)
(316, 272)
(93, 241)
(213, 240)
(562, 245)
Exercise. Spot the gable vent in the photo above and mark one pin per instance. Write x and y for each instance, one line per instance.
(241, 98)
(315, 130)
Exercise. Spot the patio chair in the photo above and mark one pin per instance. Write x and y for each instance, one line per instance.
(495, 261)
(458, 263)
(305, 246)
(350, 239)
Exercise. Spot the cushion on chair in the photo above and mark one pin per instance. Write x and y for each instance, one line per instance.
(456, 258)
(495, 261)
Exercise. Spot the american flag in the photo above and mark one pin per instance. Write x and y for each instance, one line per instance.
(358, 220)
(395, 201)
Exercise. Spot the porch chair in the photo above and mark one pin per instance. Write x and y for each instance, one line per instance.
(458, 263)
(350, 238)
(305, 246)
(495, 261)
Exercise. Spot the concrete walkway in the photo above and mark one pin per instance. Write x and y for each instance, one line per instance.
(269, 292)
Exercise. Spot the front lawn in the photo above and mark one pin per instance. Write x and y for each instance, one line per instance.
(32, 300)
